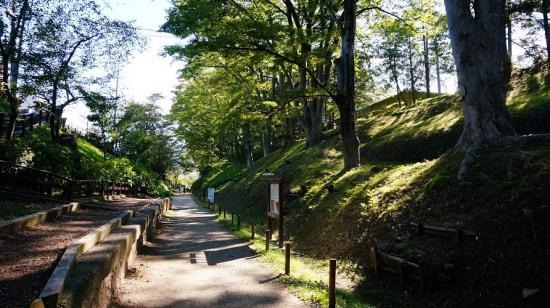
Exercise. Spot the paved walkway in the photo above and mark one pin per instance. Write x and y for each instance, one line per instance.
(195, 262)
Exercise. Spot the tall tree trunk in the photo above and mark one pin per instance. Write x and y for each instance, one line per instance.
(509, 36)
(14, 113)
(437, 68)
(288, 139)
(248, 148)
(546, 28)
(412, 77)
(345, 97)
(479, 50)
(266, 138)
(426, 65)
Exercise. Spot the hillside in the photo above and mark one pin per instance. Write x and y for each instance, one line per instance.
(406, 176)
(78, 159)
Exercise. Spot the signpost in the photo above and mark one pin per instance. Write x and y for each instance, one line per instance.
(211, 195)
(275, 204)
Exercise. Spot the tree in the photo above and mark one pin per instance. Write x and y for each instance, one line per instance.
(101, 109)
(146, 138)
(14, 30)
(479, 49)
(75, 38)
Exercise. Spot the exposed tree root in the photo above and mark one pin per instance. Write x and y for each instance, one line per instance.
(472, 152)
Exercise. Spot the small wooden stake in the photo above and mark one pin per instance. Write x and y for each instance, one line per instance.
(232, 215)
(238, 222)
(402, 273)
(458, 236)
(252, 230)
(267, 239)
(332, 284)
(287, 258)
(224, 213)
(375, 261)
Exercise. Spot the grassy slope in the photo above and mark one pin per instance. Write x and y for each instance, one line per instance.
(503, 199)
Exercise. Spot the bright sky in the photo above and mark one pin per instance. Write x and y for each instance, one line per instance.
(147, 72)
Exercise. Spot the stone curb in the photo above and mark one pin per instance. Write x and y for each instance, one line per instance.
(109, 251)
(54, 287)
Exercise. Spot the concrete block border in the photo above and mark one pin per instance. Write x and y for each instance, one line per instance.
(115, 245)
(21, 223)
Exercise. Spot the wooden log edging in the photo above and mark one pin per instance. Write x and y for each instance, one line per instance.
(459, 235)
(54, 287)
(426, 275)
(21, 223)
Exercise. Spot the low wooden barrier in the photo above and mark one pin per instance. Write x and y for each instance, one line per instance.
(459, 235)
(21, 223)
(25, 122)
(426, 275)
(44, 183)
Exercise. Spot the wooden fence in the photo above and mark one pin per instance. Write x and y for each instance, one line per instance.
(428, 276)
(457, 234)
(24, 123)
(46, 183)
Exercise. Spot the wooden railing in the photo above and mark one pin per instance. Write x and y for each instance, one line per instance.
(47, 184)
(24, 123)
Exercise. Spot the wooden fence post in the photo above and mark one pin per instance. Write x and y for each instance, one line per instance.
(238, 222)
(232, 215)
(23, 125)
(375, 261)
(252, 230)
(267, 237)
(224, 214)
(1, 124)
(287, 258)
(332, 284)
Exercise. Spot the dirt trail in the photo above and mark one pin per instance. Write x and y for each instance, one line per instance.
(195, 262)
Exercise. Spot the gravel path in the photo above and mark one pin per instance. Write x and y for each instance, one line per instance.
(195, 262)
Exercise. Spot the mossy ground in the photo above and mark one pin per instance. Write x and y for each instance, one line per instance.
(409, 175)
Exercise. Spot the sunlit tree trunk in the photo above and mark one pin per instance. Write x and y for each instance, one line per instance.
(345, 97)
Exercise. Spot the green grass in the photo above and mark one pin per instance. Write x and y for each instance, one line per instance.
(308, 276)
(414, 180)
(89, 150)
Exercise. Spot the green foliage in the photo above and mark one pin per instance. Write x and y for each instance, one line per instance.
(11, 209)
(38, 151)
(411, 182)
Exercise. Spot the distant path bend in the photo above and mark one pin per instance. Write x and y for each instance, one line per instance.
(196, 262)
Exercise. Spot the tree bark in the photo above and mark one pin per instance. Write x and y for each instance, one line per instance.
(509, 36)
(437, 70)
(345, 97)
(479, 50)
(425, 40)
(247, 140)
(412, 77)
(266, 138)
(546, 28)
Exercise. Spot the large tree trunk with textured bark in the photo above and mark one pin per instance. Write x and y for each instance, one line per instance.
(479, 48)
(345, 97)
(478, 41)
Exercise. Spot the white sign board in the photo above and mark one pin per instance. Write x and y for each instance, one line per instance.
(274, 202)
(211, 195)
